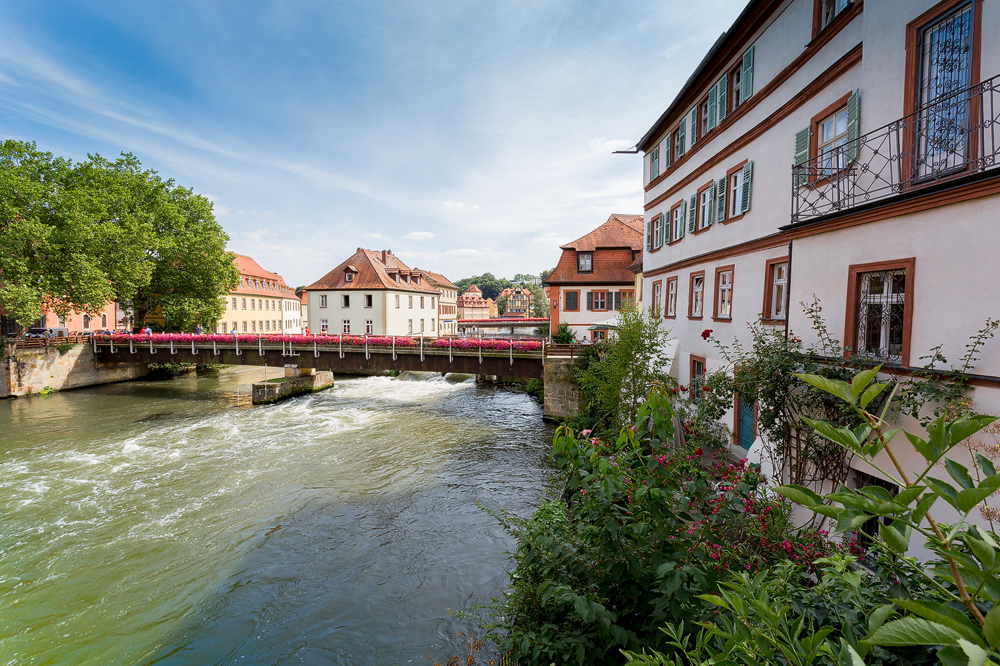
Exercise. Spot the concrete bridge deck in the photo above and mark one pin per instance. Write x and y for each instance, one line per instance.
(346, 359)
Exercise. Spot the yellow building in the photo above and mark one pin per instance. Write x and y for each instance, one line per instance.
(262, 303)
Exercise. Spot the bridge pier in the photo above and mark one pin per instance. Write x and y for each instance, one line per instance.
(562, 394)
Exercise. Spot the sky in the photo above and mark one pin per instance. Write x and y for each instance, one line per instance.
(467, 137)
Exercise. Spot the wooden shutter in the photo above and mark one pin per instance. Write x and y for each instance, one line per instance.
(853, 125)
(747, 181)
(681, 136)
(722, 85)
(663, 230)
(618, 300)
(712, 98)
(747, 74)
(654, 163)
(801, 155)
(666, 153)
(649, 235)
(590, 300)
(692, 212)
(711, 205)
(680, 231)
(694, 125)
(720, 192)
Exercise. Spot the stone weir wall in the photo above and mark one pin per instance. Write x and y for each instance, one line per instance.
(27, 371)
(297, 382)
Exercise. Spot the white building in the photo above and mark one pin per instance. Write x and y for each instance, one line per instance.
(447, 302)
(890, 111)
(261, 303)
(373, 293)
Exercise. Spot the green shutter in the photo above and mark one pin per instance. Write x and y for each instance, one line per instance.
(722, 85)
(681, 136)
(712, 98)
(590, 300)
(801, 156)
(694, 125)
(666, 153)
(649, 235)
(654, 163)
(711, 205)
(853, 125)
(683, 216)
(747, 74)
(747, 181)
(692, 212)
(720, 191)
(663, 228)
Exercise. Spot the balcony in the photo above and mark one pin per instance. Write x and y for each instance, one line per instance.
(952, 137)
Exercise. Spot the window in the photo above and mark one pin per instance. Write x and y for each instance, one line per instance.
(432, 324)
(324, 326)
(409, 326)
(627, 298)
(830, 140)
(253, 327)
(677, 227)
(346, 301)
(104, 321)
(267, 326)
(585, 262)
(572, 301)
(678, 141)
(349, 276)
(696, 299)
(346, 325)
(369, 326)
(880, 316)
(829, 10)
(421, 325)
(397, 301)
(233, 329)
(234, 303)
(86, 322)
(703, 125)
(244, 327)
(706, 207)
(410, 302)
(433, 300)
(223, 327)
(776, 289)
(421, 302)
(736, 77)
(697, 377)
(253, 304)
(945, 63)
(322, 301)
(671, 306)
(723, 293)
(368, 300)
(597, 300)
(740, 186)
(654, 163)
(655, 304)
(260, 304)
(261, 326)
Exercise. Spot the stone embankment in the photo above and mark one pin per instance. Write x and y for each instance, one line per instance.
(58, 367)
(296, 382)
(562, 395)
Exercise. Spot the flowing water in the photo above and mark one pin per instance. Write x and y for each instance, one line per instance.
(155, 523)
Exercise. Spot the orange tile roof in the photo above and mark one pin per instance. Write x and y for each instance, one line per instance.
(437, 277)
(251, 270)
(373, 269)
(618, 231)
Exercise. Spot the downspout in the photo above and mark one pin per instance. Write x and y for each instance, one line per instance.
(788, 288)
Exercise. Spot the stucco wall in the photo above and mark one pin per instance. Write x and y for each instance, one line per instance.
(26, 371)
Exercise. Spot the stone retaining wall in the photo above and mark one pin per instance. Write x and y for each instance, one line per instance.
(27, 371)
(267, 392)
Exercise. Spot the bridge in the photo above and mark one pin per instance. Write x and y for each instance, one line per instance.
(371, 356)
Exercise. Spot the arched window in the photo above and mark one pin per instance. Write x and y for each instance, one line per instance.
(104, 321)
(86, 322)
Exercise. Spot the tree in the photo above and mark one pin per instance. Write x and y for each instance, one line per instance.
(490, 285)
(523, 278)
(75, 236)
(616, 377)
(563, 335)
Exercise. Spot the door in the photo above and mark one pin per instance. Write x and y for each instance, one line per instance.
(747, 417)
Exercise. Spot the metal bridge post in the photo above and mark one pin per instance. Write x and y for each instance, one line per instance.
(367, 354)
(394, 348)
(172, 352)
(93, 339)
(421, 347)
(215, 351)
(512, 353)
(151, 350)
(449, 350)
(131, 350)
(260, 346)
(238, 352)
(194, 351)
(316, 351)
(111, 341)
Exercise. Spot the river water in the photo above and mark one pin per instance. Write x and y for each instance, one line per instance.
(155, 523)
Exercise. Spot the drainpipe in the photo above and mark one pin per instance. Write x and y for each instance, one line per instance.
(788, 289)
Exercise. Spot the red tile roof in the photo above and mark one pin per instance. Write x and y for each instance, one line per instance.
(373, 272)
(613, 244)
(618, 231)
(437, 277)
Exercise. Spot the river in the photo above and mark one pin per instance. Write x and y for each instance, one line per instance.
(153, 522)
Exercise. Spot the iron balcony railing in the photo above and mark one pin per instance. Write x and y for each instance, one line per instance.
(954, 135)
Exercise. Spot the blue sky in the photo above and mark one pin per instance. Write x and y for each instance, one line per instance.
(465, 136)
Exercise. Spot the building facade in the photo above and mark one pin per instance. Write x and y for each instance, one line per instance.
(262, 303)
(472, 305)
(520, 302)
(447, 302)
(373, 293)
(828, 149)
(592, 279)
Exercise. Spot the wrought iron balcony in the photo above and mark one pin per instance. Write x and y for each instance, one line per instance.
(953, 136)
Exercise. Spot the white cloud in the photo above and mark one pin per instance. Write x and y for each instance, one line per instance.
(610, 145)
(466, 252)
(458, 206)
(374, 236)
(419, 235)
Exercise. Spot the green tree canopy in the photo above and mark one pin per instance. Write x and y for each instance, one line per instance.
(74, 236)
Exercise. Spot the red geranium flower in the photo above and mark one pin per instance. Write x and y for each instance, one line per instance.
(706, 334)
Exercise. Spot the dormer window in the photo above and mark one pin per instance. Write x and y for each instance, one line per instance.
(396, 276)
(585, 262)
(349, 276)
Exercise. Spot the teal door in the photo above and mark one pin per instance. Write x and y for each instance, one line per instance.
(747, 434)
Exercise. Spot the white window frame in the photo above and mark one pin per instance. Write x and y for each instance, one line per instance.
(369, 326)
(736, 194)
(324, 326)
(779, 290)
(725, 295)
(671, 305)
(346, 325)
(698, 296)
(706, 206)
(322, 301)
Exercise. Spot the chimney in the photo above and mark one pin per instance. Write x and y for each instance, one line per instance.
(385, 256)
